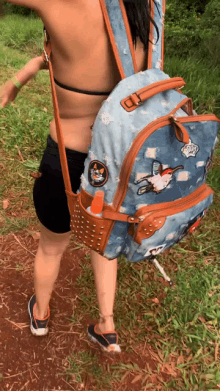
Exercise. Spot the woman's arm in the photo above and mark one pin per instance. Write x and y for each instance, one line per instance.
(9, 90)
(34, 4)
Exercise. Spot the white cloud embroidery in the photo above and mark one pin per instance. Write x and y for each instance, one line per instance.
(106, 118)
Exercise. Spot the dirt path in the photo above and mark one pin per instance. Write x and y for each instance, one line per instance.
(28, 363)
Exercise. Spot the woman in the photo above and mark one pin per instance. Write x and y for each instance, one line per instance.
(85, 73)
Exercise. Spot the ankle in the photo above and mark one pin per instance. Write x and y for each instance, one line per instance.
(40, 314)
(106, 323)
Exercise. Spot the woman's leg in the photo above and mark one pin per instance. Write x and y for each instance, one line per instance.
(105, 274)
(46, 267)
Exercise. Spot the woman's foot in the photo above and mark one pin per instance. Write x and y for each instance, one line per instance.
(104, 334)
(39, 327)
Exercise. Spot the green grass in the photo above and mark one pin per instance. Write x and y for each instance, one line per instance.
(185, 322)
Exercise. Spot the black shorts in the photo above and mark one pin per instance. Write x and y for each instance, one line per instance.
(49, 195)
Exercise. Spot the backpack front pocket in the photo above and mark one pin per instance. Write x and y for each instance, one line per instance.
(168, 223)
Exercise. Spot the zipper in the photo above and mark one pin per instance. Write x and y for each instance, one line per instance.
(153, 217)
(177, 206)
(137, 144)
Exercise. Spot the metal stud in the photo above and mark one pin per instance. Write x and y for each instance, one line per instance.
(92, 241)
(102, 227)
(160, 222)
(99, 238)
(92, 236)
(100, 233)
(150, 225)
(94, 225)
(98, 244)
(93, 230)
(87, 222)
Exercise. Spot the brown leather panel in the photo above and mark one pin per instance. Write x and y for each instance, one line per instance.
(132, 101)
(89, 229)
(147, 228)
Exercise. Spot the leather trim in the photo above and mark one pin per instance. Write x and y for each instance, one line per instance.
(151, 36)
(154, 216)
(128, 31)
(90, 229)
(112, 39)
(162, 43)
(132, 101)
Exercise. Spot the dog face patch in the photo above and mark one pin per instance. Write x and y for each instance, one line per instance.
(98, 173)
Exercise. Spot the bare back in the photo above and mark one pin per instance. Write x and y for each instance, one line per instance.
(82, 58)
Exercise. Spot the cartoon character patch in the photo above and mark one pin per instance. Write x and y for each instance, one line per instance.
(97, 174)
(159, 179)
(190, 149)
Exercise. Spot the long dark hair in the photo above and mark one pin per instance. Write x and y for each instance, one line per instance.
(139, 18)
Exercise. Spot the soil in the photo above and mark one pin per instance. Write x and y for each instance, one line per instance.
(29, 363)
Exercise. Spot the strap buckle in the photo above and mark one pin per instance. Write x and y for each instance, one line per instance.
(136, 100)
(46, 57)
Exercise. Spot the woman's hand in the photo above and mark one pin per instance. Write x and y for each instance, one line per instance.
(8, 93)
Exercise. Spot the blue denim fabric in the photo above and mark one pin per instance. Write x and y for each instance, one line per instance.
(114, 132)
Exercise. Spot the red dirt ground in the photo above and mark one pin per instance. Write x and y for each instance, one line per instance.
(29, 363)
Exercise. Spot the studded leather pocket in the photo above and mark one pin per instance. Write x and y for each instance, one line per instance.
(88, 228)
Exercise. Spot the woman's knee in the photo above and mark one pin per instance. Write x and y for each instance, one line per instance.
(52, 243)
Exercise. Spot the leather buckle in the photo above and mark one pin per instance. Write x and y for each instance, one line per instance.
(136, 100)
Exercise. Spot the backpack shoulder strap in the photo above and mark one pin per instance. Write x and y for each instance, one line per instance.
(156, 47)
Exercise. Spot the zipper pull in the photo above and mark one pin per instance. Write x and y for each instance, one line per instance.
(181, 132)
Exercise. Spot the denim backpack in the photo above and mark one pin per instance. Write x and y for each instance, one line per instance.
(150, 153)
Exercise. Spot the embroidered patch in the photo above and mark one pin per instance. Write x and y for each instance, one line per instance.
(190, 149)
(159, 179)
(97, 174)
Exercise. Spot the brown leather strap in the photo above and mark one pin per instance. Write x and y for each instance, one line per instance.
(61, 146)
(109, 215)
(132, 101)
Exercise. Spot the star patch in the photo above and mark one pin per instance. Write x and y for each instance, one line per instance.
(190, 149)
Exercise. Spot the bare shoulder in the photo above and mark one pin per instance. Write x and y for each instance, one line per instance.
(33, 4)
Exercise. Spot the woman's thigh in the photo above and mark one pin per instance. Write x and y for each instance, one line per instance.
(49, 195)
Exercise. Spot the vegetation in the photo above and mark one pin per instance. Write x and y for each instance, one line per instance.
(181, 323)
